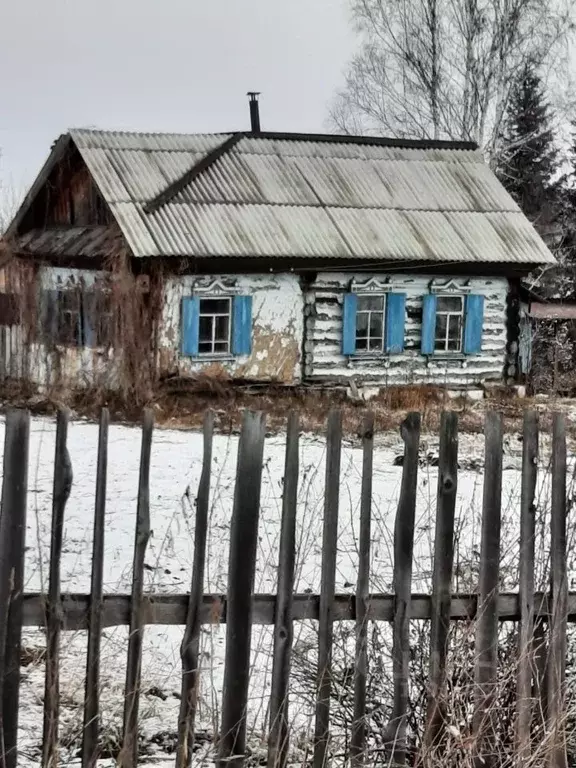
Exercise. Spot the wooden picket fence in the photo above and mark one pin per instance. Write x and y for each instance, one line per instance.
(240, 608)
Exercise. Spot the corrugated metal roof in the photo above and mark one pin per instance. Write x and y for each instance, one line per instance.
(307, 198)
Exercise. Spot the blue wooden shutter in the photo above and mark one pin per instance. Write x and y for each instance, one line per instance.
(395, 317)
(48, 330)
(91, 315)
(428, 323)
(349, 323)
(242, 325)
(190, 325)
(473, 324)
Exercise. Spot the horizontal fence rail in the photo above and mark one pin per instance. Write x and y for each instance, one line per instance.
(172, 609)
(541, 617)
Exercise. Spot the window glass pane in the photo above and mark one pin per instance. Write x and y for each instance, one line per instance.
(375, 344)
(214, 306)
(376, 324)
(69, 301)
(362, 323)
(454, 333)
(221, 346)
(441, 321)
(374, 303)
(205, 329)
(69, 328)
(222, 323)
(361, 344)
(449, 304)
(205, 347)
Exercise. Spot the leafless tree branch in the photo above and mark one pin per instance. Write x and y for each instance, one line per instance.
(443, 68)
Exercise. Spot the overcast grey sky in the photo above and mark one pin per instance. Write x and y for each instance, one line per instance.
(165, 65)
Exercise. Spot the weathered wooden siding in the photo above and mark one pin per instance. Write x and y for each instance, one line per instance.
(325, 362)
(22, 355)
(70, 197)
(277, 328)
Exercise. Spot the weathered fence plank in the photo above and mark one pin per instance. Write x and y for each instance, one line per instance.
(61, 493)
(128, 757)
(12, 539)
(327, 587)
(403, 551)
(241, 572)
(171, 610)
(526, 587)
(240, 609)
(556, 754)
(92, 687)
(442, 576)
(358, 743)
(190, 648)
(283, 628)
(486, 661)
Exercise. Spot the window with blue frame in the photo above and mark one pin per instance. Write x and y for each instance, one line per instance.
(370, 324)
(216, 326)
(452, 324)
(449, 324)
(373, 324)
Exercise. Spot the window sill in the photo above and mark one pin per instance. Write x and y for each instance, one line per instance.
(61, 347)
(454, 356)
(370, 356)
(224, 358)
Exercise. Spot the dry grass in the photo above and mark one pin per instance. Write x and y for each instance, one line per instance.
(182, 404)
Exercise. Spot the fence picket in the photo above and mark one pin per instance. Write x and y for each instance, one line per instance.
(526, 587)
(241, 572)
(403, 550)
(12, 539)
(327, 587)
(442, 576)
(92, 687)
(128, 757)
(486, 662)
(358, 742)
(541, 671)
(557, 757)
(61, 493)
(283, 629)
(190, 644)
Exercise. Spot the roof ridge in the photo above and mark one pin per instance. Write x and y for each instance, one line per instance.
(186, 179)
(381, 141)
(113, 132)
(332, 138)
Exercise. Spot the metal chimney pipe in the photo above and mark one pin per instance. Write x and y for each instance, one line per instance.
(254, 111)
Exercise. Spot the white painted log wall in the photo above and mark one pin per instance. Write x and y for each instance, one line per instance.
(324, 360)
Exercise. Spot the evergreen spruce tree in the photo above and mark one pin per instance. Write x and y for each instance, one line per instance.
(529, 159)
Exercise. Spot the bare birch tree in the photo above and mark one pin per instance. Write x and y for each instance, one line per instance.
(443, 68)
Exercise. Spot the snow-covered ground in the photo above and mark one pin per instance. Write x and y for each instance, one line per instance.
(176, 465)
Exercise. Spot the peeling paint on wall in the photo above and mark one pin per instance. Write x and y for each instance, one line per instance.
(277, 328)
